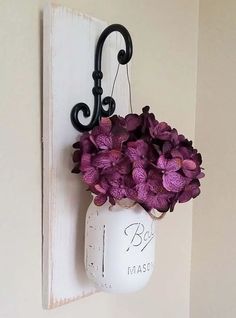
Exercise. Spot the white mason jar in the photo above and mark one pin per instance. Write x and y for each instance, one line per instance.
(119, 246)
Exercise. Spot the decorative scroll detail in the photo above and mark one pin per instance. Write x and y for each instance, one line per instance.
(123, 57)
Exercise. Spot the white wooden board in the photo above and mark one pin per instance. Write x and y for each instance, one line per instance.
(68, 60)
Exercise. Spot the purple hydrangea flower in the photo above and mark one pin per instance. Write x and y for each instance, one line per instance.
(139, 158)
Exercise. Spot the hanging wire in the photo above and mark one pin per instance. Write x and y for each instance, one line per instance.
(130, 92)
(129, 85)
(115, 78)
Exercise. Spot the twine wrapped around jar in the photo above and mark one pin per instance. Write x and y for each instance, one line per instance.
(128, 203)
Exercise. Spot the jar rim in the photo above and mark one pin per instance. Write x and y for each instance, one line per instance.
(126, 203)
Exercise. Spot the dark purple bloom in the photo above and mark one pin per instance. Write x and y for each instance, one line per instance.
(190, 191)
(86, 145)
(106, 159)
(139, 158)
(172, 180)
(106, 136)
(90, 176)
(160, 197)
(148, 120)
(138, 152)
(132, 122)
(100, 199)
(158, 202)
(139, 175)
(160, 131)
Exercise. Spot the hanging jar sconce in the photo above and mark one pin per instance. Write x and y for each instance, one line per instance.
(133, 166)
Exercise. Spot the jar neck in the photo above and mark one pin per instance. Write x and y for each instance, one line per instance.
(126, 203)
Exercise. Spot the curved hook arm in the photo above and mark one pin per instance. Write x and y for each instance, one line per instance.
(123, 57)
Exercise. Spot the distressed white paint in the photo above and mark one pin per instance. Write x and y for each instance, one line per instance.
(69, 45)
(119, 246)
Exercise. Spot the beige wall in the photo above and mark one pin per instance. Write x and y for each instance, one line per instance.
(164, 76)
(213, 279)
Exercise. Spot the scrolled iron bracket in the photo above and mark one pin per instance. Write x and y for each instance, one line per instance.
(123, 57)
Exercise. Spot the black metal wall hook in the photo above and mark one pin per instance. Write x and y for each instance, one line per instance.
(123, 57)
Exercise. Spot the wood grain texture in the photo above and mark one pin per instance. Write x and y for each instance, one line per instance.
(68, 56)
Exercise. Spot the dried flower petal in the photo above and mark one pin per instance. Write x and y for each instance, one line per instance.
(173, 164)
(106, 159)
(173, 181)
(139, 175)
(117, 193)
(124, 166)
(105, 125)
(76, 169)
(190, 191)
(162, 162)
(132, 122)
(142, 192)
(189, 164)
(76, 145)
(118, 139)
(90, 176)
(99, 188)
(161, 204)
(85, 162)
(103, 141)
(100, 199)
(77, 156)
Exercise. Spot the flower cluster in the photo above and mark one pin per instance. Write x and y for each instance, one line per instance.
(139, 158)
